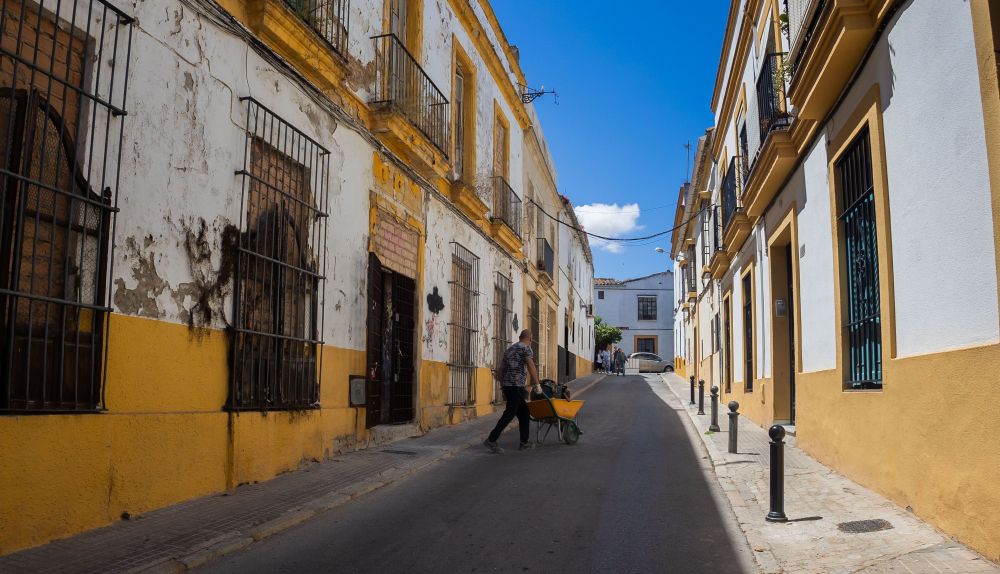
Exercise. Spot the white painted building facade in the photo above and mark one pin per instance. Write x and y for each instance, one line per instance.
(852, 245)
(642, 308)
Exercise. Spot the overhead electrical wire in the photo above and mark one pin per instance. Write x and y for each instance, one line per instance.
(605, 238)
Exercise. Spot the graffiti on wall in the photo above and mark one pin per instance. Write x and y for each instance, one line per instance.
(432, 330)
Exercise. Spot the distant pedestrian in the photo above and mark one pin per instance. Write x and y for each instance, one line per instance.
(619, 361)
(606, 360)
(516, 363)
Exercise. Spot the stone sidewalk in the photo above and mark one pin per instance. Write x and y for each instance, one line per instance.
(189, 534)
(817, 499)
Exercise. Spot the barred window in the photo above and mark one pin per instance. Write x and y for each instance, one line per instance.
(464, 326)
(747, 333)
(279, 269)
(600, 294)
(535, 324)
(645, 345)
(858, 228)
(503, 311)
(647, 307)
(62, 95)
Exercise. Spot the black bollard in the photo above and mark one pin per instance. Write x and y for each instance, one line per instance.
(777, 513)
(734, 425)
(692, 389)
(714, 425)
(701, 397)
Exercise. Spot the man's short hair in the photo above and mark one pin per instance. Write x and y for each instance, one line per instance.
(525, 334)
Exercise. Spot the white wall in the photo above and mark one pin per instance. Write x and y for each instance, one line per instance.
(940, 204)
(620, 306)
(941, 226)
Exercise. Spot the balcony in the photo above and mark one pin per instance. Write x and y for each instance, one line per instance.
(506, 217)
(732, 191)
(546, 257)
(801, 23)
(772, 112)
(735, 224)
(720, 259)
(402, 86)
(328, 18)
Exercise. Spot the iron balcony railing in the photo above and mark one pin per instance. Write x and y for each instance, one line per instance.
(328, 18)
(403, 86)
(546, 257)
(506, 205)
(732, 191)
(772, 111)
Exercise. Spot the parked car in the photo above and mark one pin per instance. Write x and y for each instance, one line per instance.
(650, 363)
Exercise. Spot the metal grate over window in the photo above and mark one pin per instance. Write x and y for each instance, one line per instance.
(747, 333)
(503, 311)
(647, 307)
(63, 71)
(277, 293)
(464, 326)
(858, 226)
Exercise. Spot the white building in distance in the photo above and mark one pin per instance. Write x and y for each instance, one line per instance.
(642, 308)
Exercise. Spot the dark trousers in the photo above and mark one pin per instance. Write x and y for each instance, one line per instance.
(516, 407)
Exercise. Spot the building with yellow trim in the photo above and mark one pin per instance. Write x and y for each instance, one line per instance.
(842, 253)
(242, 235)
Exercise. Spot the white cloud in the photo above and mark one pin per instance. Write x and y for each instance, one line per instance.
(610, 220)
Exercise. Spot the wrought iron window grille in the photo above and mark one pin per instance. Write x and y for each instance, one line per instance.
(63, 85)
(463, 329)
(280, 266)
(748, 342)
(546, 258)
(863, 326)
(503, 312)
(647, 307)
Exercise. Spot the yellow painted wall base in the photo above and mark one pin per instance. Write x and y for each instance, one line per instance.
(926, 441)
(165, 436)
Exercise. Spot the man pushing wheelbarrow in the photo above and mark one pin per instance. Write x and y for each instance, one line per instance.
(517, 362)
(552, 408)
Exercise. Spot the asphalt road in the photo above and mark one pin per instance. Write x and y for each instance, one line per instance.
(629, 497)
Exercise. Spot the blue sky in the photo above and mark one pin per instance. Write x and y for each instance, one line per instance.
(635, 84)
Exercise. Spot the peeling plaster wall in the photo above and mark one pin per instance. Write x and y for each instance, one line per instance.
(443, 227)
(179, 193)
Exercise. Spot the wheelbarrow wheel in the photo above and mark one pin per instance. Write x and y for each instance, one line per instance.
(571, 433)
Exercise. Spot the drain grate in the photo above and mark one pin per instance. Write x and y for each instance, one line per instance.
(863, 526)
(391, 451)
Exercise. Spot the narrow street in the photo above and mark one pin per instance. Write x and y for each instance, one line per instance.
(629, 497)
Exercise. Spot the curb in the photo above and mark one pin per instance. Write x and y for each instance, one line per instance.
(236, 541)
(762, 552)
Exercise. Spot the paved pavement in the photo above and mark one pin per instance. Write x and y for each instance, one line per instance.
(631, 496)
(817, 499)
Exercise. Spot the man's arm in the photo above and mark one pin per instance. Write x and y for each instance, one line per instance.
(532, 372)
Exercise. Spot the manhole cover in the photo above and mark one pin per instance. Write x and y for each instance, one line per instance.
(862, 526)
(390, 451)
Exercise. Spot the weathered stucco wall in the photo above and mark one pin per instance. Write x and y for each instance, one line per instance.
(166, 436)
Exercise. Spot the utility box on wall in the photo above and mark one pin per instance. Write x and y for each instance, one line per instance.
(357, 387)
